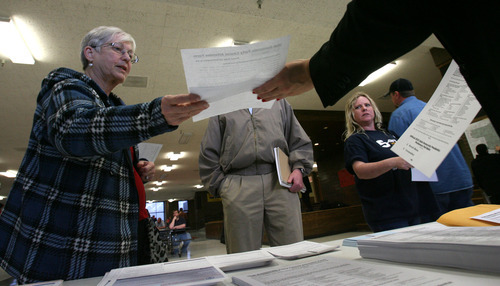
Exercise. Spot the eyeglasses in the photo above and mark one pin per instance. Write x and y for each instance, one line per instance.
(118, 48)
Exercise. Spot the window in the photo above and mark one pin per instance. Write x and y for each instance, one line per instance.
(156, 209)
(183, 205)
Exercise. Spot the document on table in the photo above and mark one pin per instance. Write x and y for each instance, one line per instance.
(241, 260)
(336, 271)
(300, 249)
(187, 272)
(493, 216)
(353, 241)
(225, 76)
(473, 248)
(438, 127)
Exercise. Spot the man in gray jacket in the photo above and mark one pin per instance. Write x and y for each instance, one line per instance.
(237, 163)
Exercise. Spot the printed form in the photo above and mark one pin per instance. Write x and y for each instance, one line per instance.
(225, 76)
(438, 127)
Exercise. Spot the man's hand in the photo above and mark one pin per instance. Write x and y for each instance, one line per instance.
(178, 108)
(293, 79)
(146, 170)
(295, 179)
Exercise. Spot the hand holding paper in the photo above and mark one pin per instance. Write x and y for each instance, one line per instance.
(225, 76)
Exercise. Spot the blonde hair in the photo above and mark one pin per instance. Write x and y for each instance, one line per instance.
(351, 125)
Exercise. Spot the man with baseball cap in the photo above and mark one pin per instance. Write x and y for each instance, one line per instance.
(454, 188)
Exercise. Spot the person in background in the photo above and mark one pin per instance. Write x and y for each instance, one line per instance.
(370, 35)
(237, 163)
(305, 195)
(183, 214)
(389, 197)
(486, 169)
(454, 187)
(160, 224)
(178, 225)
(81, 165)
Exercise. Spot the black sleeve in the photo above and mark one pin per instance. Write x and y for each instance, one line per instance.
(370, 35)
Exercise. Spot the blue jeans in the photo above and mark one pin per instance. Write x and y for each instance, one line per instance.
(177, 238)
(454, 200)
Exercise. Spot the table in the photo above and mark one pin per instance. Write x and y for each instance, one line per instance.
(345, 252)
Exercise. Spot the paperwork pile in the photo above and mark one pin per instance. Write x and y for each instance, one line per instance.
(329, 271)
(241, 260)
(473, 248)
(300, 249)
(187, 272)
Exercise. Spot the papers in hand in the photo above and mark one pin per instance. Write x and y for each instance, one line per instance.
(282, 167)
(149, 151)
(300, 249)
(225, 76)
(438, 127)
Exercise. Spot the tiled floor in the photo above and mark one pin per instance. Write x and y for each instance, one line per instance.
(200, 247)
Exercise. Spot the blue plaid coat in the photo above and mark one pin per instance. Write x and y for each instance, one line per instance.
(73, 209)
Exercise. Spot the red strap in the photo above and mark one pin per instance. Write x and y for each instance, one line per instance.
(141, 191)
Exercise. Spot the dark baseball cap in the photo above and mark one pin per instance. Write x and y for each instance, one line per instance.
(401, 84)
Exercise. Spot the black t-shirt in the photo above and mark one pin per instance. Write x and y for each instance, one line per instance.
(392, 195)
(179, 221)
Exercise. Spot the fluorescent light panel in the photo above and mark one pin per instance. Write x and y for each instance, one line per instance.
(9, 173)
(13, 44)
(378, 73)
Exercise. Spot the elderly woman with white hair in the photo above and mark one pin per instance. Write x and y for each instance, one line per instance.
(74, 209)
(389, 197)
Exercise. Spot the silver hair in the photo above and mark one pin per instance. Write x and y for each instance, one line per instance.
(100, 36)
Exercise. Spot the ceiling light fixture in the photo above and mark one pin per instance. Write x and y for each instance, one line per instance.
(167, 168)
(198, 186)
(9, 173)
(13, 44)
(159, 183)
(378, 73)
(174, 156)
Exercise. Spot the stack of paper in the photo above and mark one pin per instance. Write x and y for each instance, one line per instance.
(300, 249)
(329, 271)
(474, 248)
(241, 260)
(187, 272)
(353, 241)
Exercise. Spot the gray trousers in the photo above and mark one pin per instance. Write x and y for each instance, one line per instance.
(252, 203)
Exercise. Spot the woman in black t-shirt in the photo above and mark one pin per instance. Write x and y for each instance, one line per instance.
(383, 180)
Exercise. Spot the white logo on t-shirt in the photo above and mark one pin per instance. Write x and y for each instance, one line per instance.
(387, 144)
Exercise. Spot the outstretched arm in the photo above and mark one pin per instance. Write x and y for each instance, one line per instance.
(294, 79)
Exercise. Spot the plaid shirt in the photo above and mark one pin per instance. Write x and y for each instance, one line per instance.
(73, 209)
